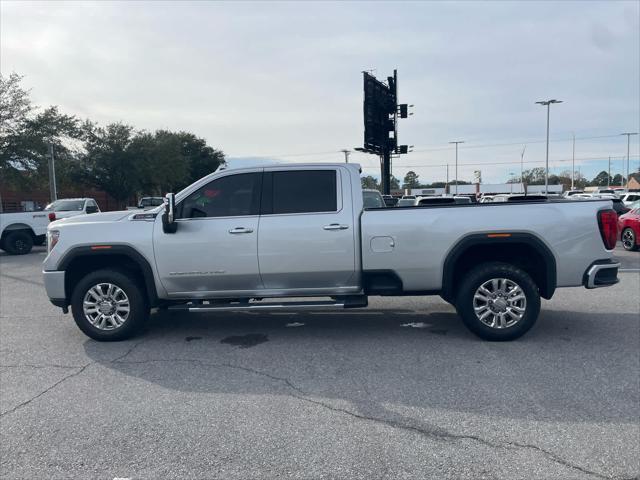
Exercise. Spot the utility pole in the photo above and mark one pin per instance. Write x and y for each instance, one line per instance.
(573, 160)
(522, 164)
(628, 141)
(456, 143)
(346, 155)
(52, 175)
(446, 185)
(547, 103)
(609, 174)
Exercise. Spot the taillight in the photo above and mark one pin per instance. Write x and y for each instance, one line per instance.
(608, 223)
(52, 216)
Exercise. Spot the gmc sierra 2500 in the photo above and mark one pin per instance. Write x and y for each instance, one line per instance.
(238, 239)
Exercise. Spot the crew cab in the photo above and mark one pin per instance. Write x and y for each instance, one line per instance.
(274, 237)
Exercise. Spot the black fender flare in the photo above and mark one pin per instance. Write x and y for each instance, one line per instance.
(105, 250)
(501, 238)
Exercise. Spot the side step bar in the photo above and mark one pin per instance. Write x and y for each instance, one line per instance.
(347, 302)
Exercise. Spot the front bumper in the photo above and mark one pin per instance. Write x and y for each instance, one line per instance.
(54, 286)
(602, 273)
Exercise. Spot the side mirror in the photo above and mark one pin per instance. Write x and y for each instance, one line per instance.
(169, 224)
(92, 209)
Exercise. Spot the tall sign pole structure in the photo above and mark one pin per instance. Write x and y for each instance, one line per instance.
(381, 112)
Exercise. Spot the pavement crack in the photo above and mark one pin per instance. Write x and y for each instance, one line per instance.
(556, 458)
(31, 365)
(445, 436)
(35, 397)
(128, 352)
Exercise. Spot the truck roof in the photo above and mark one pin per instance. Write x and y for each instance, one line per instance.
(355, 166)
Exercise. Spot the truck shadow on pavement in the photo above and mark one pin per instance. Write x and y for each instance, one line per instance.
(381, 364)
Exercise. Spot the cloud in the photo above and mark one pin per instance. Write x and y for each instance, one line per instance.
(278, 80)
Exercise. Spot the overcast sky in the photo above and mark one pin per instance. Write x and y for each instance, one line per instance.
(283, 81)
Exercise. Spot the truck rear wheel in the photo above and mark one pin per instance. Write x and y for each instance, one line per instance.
(19, 242)
(498, 301)
(107, 305)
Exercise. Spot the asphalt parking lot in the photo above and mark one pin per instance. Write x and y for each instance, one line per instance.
(399, 390)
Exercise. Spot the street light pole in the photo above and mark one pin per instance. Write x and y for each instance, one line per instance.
(457, 142)
(53, 194)
(573, 160)
(346, 155)
(628, 142)
(609, 174)
(547, 103)
(522, 164)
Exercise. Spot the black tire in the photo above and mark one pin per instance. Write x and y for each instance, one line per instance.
(138, 305)
(486, 272)
(39, 240)
(19, 242)
(629, 240)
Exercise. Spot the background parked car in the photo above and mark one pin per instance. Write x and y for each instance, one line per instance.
(150, 202)
(571, 193)
(629, 198)
(372, 198)
(629, 228)
(70, 207)
(390, 201)
(406, 202)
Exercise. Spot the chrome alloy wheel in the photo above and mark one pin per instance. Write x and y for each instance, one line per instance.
(106, 306)
(499, 303)
(628, 239)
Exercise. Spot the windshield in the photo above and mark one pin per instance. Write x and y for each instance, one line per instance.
(66, 206)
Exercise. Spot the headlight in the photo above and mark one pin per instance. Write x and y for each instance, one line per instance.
(52, 239)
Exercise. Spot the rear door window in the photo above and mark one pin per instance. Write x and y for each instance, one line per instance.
(302, 191)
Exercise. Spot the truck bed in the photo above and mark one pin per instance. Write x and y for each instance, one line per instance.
(416, 241)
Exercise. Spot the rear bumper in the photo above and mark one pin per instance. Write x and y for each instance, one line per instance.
(602, 273)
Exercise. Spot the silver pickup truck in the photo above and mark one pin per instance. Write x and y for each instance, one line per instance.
(297, 237)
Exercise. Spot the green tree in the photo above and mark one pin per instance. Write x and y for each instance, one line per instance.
(201, 158)
(600, 180)
(25, 137)
(534, 176)
(394, 183)
(411, 180)
(107, 164)
(370, 182)
(618, 180)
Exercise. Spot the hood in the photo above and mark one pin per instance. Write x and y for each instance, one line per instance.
(105, 217)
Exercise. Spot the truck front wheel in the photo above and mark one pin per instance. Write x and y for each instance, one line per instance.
(498, 301)
(108, 305)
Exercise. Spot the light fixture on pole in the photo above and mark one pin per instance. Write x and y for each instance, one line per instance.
(457, 142)
(547, 103)
(628, 139)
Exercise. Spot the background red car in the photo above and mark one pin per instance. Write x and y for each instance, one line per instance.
(629, 228)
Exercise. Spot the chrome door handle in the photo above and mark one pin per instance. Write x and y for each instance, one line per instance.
(241, 230)
(335, 226)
